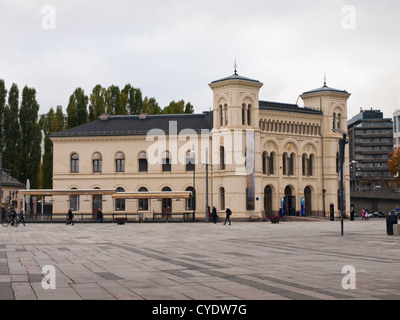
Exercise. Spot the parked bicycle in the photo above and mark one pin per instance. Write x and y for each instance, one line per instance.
(9, 218)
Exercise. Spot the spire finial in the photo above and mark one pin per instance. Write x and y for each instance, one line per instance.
(235, 66)
(325, 79)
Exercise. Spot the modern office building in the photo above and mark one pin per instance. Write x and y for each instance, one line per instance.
(396, 128)
(260, 155)
(371, 141)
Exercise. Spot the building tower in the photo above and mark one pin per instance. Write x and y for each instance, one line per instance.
(333, 104)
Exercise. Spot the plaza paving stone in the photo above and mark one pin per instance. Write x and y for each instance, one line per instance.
(185, 261)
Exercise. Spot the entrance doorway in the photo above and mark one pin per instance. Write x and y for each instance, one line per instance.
(307, 201)
(97, 202)
(166, 204)
(268, 201)
(290, 202)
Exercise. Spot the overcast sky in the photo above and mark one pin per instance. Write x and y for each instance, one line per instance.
(173, 49)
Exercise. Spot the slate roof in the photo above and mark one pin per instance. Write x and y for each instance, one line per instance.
(286, 107)
(325, 88)
(138, 125)
(235, 76)
(8, 181)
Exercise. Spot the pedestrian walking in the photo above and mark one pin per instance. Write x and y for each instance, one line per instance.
(70, 217)
(13, 215)
(363, 215)
(21, 217)
(228, 215)
(99, 216)
(214, 214)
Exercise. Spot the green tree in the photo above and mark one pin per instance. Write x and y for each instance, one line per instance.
(47, 124)
(77, 108)
(178, 108)
(113, 101)
(97, 102)
(31, 137)
(58, 121)
(134, 99)
(174, 108)
(3, 99)
(150, 106)
(12, 134)
(189, 109)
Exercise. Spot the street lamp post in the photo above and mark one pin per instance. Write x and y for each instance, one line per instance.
(193, 159)
(342, 144)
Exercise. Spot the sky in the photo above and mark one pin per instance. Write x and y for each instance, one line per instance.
(173, 49)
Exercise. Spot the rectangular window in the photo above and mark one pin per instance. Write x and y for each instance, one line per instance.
(143, 204)
(96, 165)
(120, 205)
(166, 166)
(74, 166)
(120, 165)
(143, 166)
(74, 203)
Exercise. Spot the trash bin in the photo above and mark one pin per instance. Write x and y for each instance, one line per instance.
(352, 216)
(391, 219)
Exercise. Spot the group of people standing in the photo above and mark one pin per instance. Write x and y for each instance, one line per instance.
(70, 216)
(365, 214)
(227, 217)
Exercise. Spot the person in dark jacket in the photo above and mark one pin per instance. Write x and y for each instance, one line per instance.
(228, 215)
(21, 217)
(214, 214)
(70, 217)
(99, 216)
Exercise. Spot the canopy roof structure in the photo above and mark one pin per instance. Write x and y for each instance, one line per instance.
(68, 192)
(112, 192)
(153, 195)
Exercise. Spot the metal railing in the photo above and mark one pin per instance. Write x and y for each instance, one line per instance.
(109, 218)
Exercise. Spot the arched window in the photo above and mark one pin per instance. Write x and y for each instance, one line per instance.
(310, 165)
(166, 162)
(291, 164)
(221, 116)
(304, 164)
(222, 157)
(339, 120)
(96, 162)
(249, 115)
(264, 162)
(75, 163)
(143, 164)
(120, 203)
(243, 114)
(222, 198)
(334, 121)
(271, 164)
(120, 162)
(226, 114)
(284, 163)
(143, 204)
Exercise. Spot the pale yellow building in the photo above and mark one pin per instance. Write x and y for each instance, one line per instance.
(260, 156)
(10, 196)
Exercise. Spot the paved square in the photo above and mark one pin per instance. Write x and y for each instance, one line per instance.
(258, 261)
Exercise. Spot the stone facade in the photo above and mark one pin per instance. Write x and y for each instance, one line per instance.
(260, 155)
